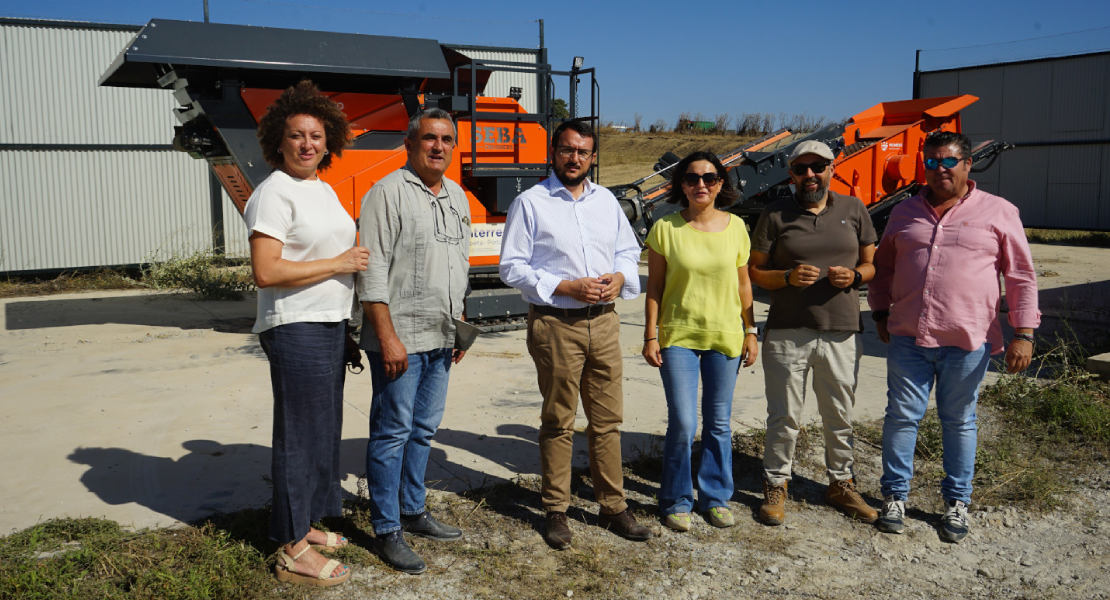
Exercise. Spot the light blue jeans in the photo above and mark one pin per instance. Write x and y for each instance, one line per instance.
(911, 373)
(680, 370)
(404, 415)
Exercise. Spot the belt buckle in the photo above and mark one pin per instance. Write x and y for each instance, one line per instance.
(590, 310)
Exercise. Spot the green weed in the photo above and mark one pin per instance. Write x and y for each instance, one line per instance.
(211, 276)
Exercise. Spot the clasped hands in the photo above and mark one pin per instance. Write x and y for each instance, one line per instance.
(596, 290)
(806, 275)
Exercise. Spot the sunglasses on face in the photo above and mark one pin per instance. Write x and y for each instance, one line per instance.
(691, 179)
(817, 168)
(948, 163)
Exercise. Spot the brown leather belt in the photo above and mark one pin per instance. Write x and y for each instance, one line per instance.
(586, 312)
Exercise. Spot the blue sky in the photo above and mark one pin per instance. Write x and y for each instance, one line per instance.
(659, 59)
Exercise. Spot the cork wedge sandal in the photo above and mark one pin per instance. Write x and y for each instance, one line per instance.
(285, 573)
(335, 542)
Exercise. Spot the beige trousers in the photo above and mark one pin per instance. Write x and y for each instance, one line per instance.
(789, 355)
(579, 356)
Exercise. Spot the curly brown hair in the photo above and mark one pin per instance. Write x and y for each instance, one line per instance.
(303, 99)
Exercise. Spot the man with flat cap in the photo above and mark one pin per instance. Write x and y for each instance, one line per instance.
(812, 251)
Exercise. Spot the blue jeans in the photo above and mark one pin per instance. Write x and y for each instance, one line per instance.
(680, 370)
(404, 415)
(911, 372)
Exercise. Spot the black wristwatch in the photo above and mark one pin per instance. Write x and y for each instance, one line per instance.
(858, 280)
(879, 315)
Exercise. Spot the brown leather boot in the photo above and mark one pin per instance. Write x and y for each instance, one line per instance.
(557, 531)
(624, 525)
(843, 496)
(773, 509)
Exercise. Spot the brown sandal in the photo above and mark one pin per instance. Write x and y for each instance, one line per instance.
(285, 573)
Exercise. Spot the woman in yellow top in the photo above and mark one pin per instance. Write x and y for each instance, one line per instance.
(699, 318)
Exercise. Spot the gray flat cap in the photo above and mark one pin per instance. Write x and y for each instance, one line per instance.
(810, 147)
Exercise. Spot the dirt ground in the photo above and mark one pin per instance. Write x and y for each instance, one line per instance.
(151, 409)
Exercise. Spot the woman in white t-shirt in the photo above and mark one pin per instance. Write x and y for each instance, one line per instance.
(304, 257)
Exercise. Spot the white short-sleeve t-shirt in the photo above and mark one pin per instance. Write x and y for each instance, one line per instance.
(306, 216)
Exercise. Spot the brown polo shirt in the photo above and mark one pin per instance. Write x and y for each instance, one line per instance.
(793, 236)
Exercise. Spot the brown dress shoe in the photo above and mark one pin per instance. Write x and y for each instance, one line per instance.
(773, 509)
(624, 525)
(843, 496)
(557, 531)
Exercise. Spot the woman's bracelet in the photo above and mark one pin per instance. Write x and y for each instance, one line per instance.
(646, 340)
(1025, 337)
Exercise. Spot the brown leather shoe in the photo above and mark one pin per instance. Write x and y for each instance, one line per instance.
(773, 509)
(557, 531)
(843, 496)
(624, 525)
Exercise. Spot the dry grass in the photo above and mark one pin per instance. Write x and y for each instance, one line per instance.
(1097, 239)
(65, 283)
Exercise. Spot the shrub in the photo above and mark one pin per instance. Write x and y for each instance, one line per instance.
(211, 276)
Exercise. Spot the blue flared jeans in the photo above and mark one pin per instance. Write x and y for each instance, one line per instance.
(404, 415)
(680, 371)
(912, 371)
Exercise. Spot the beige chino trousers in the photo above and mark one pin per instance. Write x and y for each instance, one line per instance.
(789, 355)
(579, 356)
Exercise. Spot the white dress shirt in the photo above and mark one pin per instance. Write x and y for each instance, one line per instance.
(551, 237)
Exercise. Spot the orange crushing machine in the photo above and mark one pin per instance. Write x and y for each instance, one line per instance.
(879, 160)
(225, 76)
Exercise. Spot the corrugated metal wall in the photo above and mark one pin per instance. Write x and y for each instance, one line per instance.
(500, 82)
(49, 92)
(1038, 105)
(73, 208)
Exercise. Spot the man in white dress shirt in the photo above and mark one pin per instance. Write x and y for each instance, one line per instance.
(571, 252)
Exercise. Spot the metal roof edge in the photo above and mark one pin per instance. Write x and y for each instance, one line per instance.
(491, 48)
(61, 24)
(1016, 62)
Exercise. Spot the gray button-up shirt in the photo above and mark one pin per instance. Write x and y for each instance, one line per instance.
(419, 259)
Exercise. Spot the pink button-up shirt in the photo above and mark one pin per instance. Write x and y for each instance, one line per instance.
(938, 276)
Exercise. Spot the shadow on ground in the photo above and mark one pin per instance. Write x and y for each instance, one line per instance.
(152, 310)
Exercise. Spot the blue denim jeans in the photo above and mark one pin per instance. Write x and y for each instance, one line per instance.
(911, 373)
(404, 415)
(306, 373)
(680, 370)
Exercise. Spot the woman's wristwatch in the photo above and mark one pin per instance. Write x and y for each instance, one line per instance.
(751, 331)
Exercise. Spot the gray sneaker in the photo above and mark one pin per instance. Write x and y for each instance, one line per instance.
(954, 525)
(892, 517)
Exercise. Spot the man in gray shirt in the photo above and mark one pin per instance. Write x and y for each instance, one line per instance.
(416, 224)
(812, 251)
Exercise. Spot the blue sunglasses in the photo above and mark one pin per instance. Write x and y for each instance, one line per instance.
(948, 163)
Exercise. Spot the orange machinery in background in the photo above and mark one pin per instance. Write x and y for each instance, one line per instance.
(879, 160)
(225, 76)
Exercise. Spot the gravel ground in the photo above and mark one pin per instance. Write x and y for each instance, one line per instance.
(817, 553)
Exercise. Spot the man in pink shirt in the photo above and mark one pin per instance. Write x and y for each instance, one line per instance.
(936, 301)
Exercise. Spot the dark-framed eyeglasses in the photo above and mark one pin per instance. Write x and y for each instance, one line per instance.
(948, 162)
(692, 179)
(800, 169)
(567, 152)
(449, 229)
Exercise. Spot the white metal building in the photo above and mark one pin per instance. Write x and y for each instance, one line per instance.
(1057, 112)
(92, 179)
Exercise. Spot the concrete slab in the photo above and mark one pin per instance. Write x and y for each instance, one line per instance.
(1100, 365)
(151, 409)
